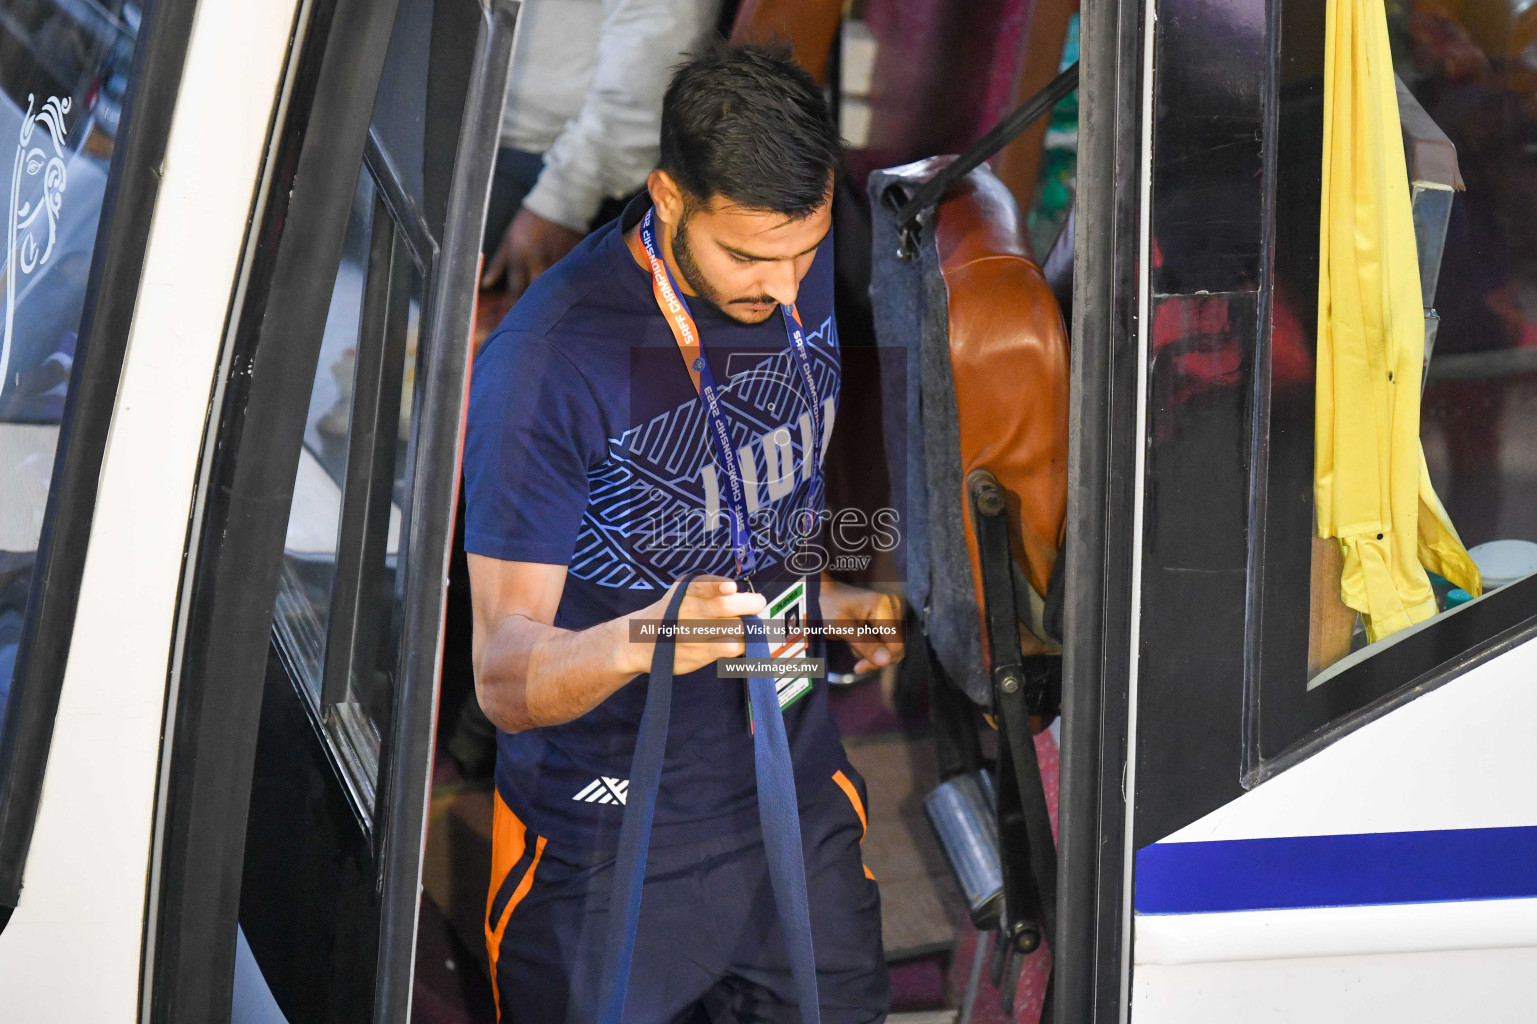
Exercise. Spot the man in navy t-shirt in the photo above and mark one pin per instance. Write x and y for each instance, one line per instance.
(591, 488)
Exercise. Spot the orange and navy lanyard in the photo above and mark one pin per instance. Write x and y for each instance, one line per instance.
(675, 309)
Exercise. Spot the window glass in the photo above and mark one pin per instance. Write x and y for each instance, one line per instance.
(339, 606)
(1473, 67)
(1467, 119)
(371, 684)
(303, 606)
(64, 70)
(1469, 79)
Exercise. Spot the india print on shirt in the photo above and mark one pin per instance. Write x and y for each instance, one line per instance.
(655, 508)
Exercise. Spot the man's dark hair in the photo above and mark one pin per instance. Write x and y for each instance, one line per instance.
(749, 124)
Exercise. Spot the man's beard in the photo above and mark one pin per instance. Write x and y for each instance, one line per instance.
(684, 258)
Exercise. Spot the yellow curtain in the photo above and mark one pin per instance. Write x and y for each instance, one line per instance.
(1371, 486)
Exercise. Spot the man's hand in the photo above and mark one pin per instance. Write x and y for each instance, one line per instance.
(530, 246)
(709, 597)
(531, 673)
(855, 604)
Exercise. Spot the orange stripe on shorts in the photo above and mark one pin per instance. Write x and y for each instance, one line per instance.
(509, 842)
(859, 808)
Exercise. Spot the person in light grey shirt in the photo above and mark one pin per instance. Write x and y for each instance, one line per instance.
(584, 107)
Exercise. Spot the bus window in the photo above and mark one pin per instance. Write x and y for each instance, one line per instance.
(63, 78)
(1470, 132)
(338, 612)
(1233, 677)
(303, 607)
(1480, 404)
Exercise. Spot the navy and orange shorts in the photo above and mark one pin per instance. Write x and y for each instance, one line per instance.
(708, 947)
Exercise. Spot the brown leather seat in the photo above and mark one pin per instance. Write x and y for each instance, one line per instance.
(1009, 357)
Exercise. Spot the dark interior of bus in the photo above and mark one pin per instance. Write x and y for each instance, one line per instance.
(959, 742)
(892, 69)
(911, 82)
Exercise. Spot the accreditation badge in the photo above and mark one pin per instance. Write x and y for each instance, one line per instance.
(786, 615)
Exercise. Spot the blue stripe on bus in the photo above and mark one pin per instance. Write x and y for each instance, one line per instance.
(1337, 871)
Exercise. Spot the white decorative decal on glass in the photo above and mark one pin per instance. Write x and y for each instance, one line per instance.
(38, 180)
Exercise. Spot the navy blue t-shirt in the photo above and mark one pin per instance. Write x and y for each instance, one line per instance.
(586, 447)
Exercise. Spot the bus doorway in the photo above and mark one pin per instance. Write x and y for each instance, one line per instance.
(275, 496)
(941, 962)
(289, 833)
(220, 631)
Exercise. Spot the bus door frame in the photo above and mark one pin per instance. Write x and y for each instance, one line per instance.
(318, 141)
(1091, 954)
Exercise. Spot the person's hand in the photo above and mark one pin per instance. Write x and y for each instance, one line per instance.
(846, 603)
(530, 246)
(709, 597)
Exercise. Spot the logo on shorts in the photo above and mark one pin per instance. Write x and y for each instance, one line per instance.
(603, 790)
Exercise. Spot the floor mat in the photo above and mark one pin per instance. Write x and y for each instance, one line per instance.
(919, 897)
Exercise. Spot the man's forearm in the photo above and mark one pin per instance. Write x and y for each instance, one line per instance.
(533, 675)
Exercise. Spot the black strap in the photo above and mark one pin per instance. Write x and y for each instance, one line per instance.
(1024, 823)
(1004, 132)
(635, 827)
(777, 810)
(1016, 754)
